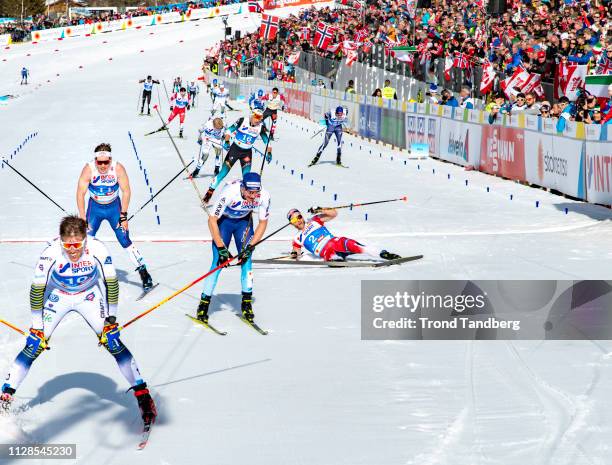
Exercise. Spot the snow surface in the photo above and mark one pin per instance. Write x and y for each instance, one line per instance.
(311, 392)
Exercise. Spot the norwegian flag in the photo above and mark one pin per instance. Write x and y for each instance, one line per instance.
(461, 61)
(305, 34)
(323, 35)
(367, 46)
(293, 58)
(349, 45)
(488, 77)
(268, 27)
(361, 34)
(351, 57)
(254, 7)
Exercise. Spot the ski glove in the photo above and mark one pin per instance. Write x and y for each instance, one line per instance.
(35, 342)
(315, 210)
(110, 334)
(224, 255)
(269, 157)
(246, 253)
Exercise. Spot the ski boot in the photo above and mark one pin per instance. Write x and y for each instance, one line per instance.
(195, 173)
(147, 281)
(6, 398)
(208, 195)
(247, 306)
(145, 402)
(388, 255)
(203, 309)
(216, 172)
(315, 159)
(149, 112)
(181, 133)
(339, 158)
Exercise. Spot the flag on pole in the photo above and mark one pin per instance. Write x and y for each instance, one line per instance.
(268, 27)
(403, 54)
(323, 35)
(569, 78)
(522, 81)
(597, 84)
(305, 34)
(488, 77)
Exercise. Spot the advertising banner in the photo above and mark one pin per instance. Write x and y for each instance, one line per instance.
(5, 39)
(369, 121)
(460, 142)
(555, 162)
(502, 152)
(599, 172)
(392, 128)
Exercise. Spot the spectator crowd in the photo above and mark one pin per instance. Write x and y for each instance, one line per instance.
(541, 38)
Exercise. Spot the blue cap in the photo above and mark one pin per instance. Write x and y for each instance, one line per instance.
(339, 110)
(214, 81)
(260, 92)
(251, 181)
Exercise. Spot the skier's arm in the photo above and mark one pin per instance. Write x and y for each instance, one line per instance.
(82, 189)
(213, 219)
(141, 81)
(109, 275)
(327, 214)
(155, 81)
(37, 289)
(124, 185)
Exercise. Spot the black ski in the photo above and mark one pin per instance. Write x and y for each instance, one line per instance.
(253, 325)
(163, 128)
(206, 325)
(146, 291)
(339, 263)
(355, 263)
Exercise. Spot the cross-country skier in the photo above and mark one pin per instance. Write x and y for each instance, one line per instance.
(179, 103)
(220, 96)
(212, 87)
(243, 136)
(232, 217)
(335, 125)
(193, 89)
(24, 75)
(147, 90)
(211, 141)
(76, 273)
(274, 102)
(255, 101)
(316, 238)
(104, 178)
(177, 84)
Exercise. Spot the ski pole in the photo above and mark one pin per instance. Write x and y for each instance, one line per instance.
(20, 331)
(351, 205)
(193, 283)
(195, 186)
(138, 101)
(158, 192)
(263, 162)
(33, 185)
(316, 134)
(167, 96)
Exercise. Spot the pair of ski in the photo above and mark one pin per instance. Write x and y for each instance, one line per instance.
(339, 263)
(339, 165)
(252, 324)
